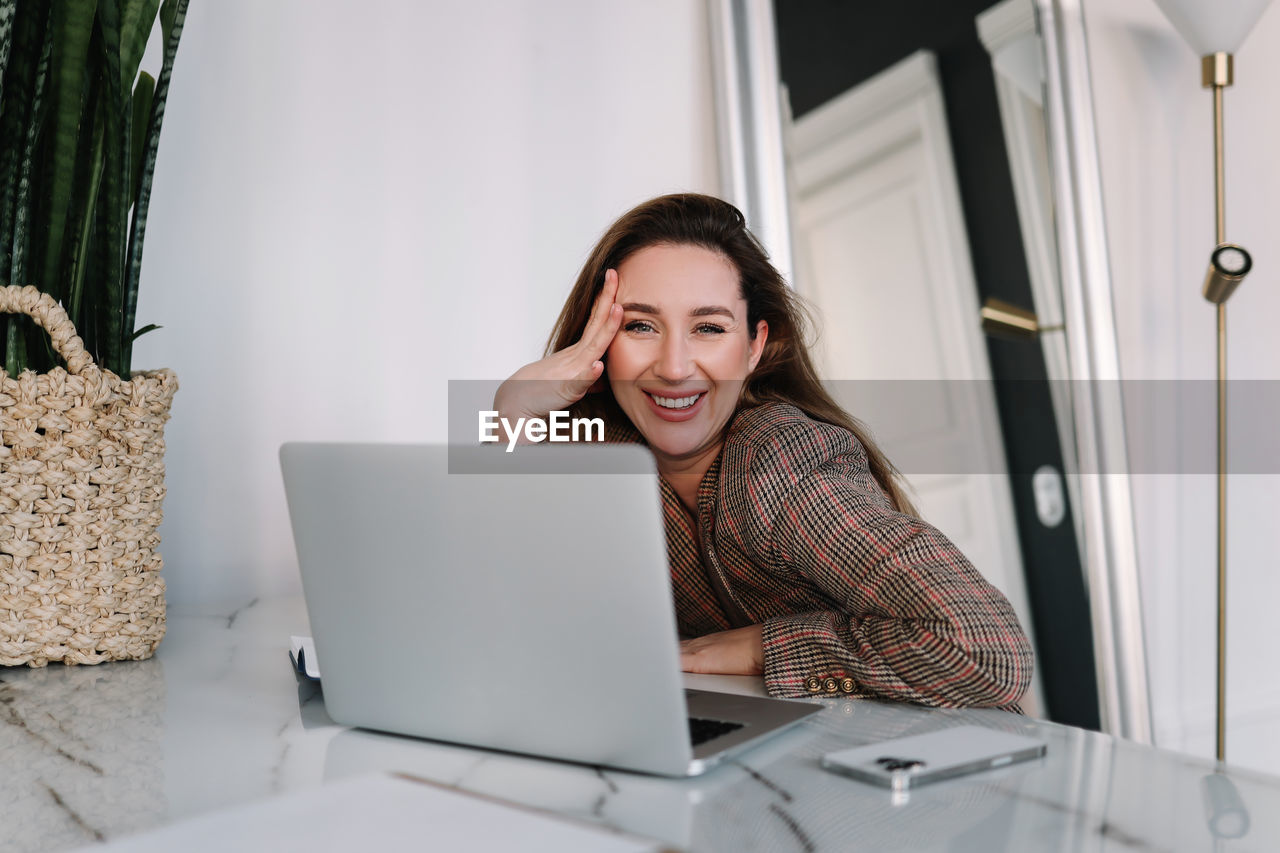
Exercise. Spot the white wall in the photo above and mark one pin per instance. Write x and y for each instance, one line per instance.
(1156, 147)
(356, 202)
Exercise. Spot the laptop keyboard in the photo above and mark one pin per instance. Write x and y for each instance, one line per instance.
(701, 731)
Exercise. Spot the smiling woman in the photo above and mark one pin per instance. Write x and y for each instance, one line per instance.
(794, 551)
(678, 364)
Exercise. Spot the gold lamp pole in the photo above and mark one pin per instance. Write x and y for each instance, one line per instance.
(1217, 72)
(1215, 31)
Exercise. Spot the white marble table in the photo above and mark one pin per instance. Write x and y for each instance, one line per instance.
(217, 719)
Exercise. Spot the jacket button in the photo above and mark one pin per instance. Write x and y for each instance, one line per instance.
(847, 685)
(831, 685)
(813, 684)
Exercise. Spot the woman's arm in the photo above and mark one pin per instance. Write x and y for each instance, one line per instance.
(913, 620)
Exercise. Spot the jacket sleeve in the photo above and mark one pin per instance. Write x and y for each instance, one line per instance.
(910, 618)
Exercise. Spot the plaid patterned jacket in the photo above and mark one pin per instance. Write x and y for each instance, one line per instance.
(794, 533)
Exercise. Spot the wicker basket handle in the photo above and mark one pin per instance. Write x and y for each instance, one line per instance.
(49, 316)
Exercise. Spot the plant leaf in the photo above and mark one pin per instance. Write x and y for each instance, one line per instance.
(112, 212)
(138, 128)
(17, 334)
(82, 247)
(72, 25)
(19, 125)
(8, 10)
(15, 350)
(17, 105)
(109, 30)
(136, 20)
(150, 327)
(173, 14)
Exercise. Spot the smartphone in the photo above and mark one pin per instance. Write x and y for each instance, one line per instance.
(909, 762)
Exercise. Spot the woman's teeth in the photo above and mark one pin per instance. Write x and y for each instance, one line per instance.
(675, 402)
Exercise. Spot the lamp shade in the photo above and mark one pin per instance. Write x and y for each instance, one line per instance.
(1213, 26)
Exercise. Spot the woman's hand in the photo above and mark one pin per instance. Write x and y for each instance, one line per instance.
(736, 652)
(563, 378)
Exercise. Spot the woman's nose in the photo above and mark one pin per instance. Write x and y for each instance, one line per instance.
(675, 362)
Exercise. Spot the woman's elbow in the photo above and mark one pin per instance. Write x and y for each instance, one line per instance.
(1000, 675)
(999, 659)
(993, 673)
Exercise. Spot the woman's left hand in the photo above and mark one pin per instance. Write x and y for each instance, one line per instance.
(736, 652)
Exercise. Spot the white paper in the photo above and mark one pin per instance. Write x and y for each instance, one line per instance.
(381, 812)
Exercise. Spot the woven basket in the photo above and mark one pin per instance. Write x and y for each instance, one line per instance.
(81, 482)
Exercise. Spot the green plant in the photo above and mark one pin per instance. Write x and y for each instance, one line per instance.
(79, 131)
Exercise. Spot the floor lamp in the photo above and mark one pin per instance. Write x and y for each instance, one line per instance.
(1215, 30)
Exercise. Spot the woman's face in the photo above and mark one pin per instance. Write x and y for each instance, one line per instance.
(678, 363)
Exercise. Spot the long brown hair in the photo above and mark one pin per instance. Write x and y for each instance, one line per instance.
(785, 372)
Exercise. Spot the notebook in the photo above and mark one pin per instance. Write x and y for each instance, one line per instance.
(382, 812)
(520, 603)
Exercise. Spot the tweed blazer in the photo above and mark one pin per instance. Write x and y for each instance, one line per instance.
(793, 532)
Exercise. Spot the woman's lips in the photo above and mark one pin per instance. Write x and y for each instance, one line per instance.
(676, 415)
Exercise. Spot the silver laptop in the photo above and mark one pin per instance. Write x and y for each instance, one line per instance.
(520, 603)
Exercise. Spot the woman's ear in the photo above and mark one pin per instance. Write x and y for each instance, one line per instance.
(757, 345)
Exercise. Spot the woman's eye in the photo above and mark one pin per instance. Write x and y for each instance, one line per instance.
(639, 326)
(710, 329)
